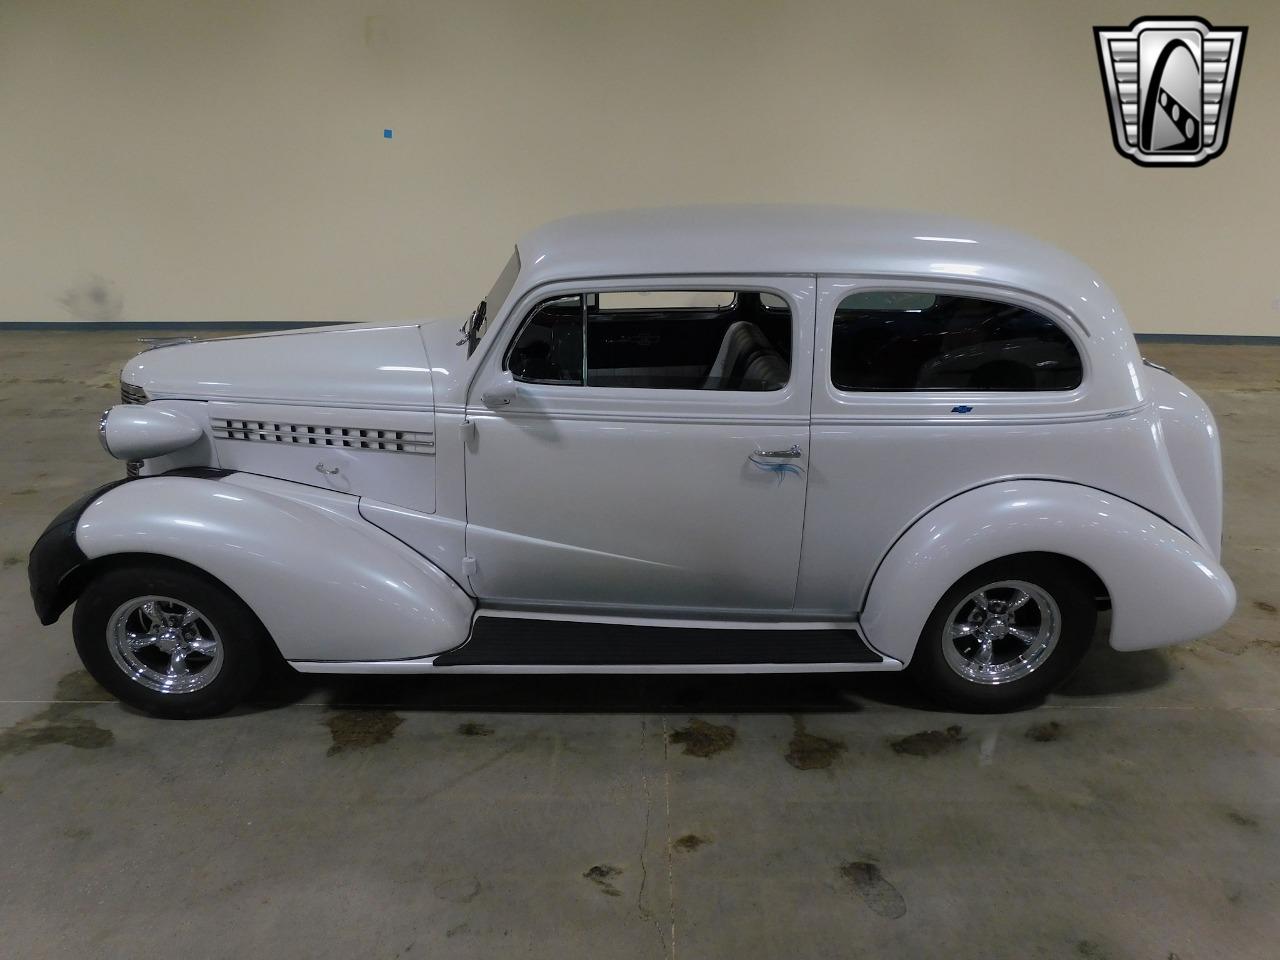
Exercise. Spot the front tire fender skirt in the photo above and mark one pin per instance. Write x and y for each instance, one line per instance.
(1164, 587)
(325, 583)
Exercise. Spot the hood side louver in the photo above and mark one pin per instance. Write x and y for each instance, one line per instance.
(319, 435)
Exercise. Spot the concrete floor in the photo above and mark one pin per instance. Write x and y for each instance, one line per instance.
(1134, 815)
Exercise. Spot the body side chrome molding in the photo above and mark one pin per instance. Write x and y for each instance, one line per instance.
(327, 402)
(426, 665)
(718, 622)
(908, 420)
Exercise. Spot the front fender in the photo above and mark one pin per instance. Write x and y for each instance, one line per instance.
(55, 563)
(1165, 588)
(325, 583)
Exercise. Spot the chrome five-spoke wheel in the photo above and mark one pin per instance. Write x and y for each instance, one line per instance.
(1008, 632)
(169, 639)
(1001, 632)
(164, 644)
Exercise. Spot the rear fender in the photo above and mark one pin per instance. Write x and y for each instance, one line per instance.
(1164, 587)
(325, 583)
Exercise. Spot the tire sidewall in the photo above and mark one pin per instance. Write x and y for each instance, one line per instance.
(1079, 618)
(239, 634)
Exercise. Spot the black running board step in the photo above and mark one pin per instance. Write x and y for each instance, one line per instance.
(514, 641)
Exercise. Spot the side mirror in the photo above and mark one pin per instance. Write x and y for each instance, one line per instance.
(501, 392)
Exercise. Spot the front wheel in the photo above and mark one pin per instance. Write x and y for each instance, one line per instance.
(168, 641)
(1006, 634)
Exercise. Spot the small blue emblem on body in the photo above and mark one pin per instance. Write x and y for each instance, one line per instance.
(962, 408)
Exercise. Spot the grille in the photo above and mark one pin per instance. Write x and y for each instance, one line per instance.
(315, 435)
(131, 394)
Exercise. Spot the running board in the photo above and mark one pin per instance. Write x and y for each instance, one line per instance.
(527, 641)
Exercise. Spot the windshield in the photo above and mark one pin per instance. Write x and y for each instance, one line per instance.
(477, 324)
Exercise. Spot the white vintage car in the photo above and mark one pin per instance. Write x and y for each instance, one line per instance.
(714, 440)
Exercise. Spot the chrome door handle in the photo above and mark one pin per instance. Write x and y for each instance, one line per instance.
(792, 454)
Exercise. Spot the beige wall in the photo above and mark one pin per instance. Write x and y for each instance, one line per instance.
(170, 160)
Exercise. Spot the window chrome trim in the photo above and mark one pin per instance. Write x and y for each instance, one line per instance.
(582, 296)
(999, 291)
(975, 392)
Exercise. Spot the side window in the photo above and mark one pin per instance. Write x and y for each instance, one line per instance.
(549, 347)
(903, 340)
(657, 340)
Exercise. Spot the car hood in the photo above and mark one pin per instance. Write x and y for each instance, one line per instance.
(355, 365)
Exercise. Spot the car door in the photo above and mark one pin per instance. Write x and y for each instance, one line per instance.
(923, 389)
(643, 445)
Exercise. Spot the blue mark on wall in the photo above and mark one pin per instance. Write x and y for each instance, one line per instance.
(962, 408)
(388, 133)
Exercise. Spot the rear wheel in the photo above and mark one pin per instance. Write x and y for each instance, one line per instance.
(1006, 634)
(168, 641)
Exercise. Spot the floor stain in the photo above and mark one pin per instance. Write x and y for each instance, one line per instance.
(1264, 606)
(1240, 636)
(1240, 819)
(13, 561)
(458, 890)
(1045, 732)
(928, 743)
(79, 686)
(474, 730)
(602, 875)
(60, 722)
(232, 887)
(702, 739)
(808, 751)
(876, 892)
(1090, 950)
(359, 729)
(460, 928)
(689, 842)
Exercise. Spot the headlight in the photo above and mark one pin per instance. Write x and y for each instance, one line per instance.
(137, 432)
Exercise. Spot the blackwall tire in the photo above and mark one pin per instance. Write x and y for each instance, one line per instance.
(1005, 635)
(168, 640)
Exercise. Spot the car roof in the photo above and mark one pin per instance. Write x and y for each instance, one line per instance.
(765, 239)
(799, 239)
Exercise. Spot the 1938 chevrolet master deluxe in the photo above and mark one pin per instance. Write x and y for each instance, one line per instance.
(723, 439)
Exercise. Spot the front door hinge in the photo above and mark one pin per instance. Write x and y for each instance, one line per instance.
(467, 428)
(469, 566)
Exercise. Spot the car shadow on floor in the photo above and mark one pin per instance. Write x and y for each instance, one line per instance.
(1108, 672)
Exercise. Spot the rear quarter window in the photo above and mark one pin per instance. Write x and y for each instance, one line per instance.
(919, 341)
